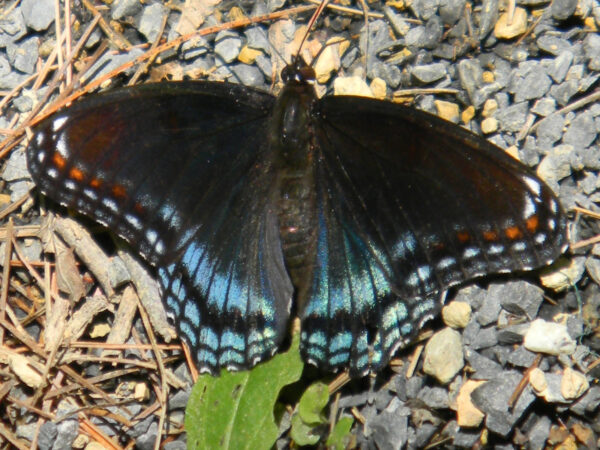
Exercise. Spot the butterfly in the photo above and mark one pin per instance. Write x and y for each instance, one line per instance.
(353, 213)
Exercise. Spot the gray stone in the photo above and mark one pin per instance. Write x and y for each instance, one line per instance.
(562, 9)
(109, 62)
(47, 436)
(151, 20)
(16, 167)
(391, 74)
(24, 54)
(146, 441)
(175, 445)
(550, 129)
(485, 368)
(12, 27)
(248, 75)
(428, 73)
(591, 47)
(23, 104)
(67, 432)
(38, 14)
(488, 18)
(582, 131)
(538, 434)
(470, 75)
(194, 47)
(425, 9)
(434, 397)
(413, 386)
(534, 85)
(544, 107)
(265, 65)
(553, 44)
(587, 404)
(490, 307)
(513, 118)
(256, 38)
(522, 298)
(228, 46)
(433, 33)
(390, 428)
(564, 91)
(493, 399)
(125, 8)
(486, 338)
(560, 66)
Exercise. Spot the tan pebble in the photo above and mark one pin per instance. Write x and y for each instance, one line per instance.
(489, 125)
(489, 107)
(351, 86)
(456, 314)
(488, 77)
(516, 27)
(379, 88)
(573, 384)
(248, 55)
(467, 414)
(468, 114)
(447, 110)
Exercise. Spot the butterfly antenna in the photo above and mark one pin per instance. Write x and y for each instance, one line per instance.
(311, 24)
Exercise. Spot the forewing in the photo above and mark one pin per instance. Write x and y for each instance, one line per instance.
(182, 172)
(410, 205)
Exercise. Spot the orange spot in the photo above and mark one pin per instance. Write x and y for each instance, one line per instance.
(76, 174)
(513, 233)
(490, 235)
(463, 236)
(532, 223)
(95, 183)
(119, 191)
(137, 207)
(59, 161)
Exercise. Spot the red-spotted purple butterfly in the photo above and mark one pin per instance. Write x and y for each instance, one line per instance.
(355, 211)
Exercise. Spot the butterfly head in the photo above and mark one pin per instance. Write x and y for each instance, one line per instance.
(298, 72)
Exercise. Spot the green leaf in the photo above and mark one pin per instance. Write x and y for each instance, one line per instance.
(303, 433)
(311, 405)
(340, 437)
(235, 410)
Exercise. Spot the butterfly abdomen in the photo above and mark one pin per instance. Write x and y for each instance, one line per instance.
(291, 140)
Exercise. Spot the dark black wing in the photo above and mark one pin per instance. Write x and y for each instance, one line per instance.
(179, 170)
(409, 205)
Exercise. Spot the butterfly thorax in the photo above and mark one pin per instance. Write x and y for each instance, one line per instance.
(291, 141)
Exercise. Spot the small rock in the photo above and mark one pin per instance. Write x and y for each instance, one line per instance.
(125, 8)
(553, 44)
(562, 9)
(556, 165)
(548, 337)
(38, 14)
(544, 107)
(467, 115)
(351, 86)
(378, 88)
(151, 20)
(550, 129)
(447, 110)
(24, 54)
(248, 55)
(489, 17)
(228, 46)
(443, 355)
(489, 107)
(456, 314)
(582, 131)
(567, 273)
(517, 26)
(573, 384)
(560, 66)
(467, 414)
(489, 125)
(428, 73)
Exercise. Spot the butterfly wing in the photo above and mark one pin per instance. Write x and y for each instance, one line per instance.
(179, 170)
(408, 206)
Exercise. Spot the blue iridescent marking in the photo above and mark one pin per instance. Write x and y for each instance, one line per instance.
(174, 304)
(339, 358)
(187, 329)
(341, 340)
(192, 313)
(232, 340)
(208, 356)
(209, 338)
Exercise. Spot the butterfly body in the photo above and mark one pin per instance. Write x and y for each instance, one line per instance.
(362, 211)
